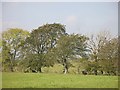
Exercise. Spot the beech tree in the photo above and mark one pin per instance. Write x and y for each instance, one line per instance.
(40, 42)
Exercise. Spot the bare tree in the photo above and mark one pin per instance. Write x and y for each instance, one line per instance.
(95, 43)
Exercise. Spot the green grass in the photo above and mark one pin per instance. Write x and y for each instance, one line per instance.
(0, 79)
(37, 80)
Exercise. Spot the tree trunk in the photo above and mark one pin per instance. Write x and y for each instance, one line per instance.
(95, 72)
(78, 69)
(101, 71)
(11, 68)
(65, 67)
(39, 70)
(108, 72)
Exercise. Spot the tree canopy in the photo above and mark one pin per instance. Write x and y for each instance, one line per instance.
(49, 45)
(12, 43)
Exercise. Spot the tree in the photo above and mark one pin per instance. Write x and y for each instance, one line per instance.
(12, 42)
(104, 53)
(108, 56)
(69, 47)
(118, 54)
(95, 44)
(40, 42)
(0, 52)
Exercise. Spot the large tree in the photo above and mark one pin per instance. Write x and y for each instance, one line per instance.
(12, 42)
(70, 47)
(40, 42)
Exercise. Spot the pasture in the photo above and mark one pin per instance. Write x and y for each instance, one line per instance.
(51, 80)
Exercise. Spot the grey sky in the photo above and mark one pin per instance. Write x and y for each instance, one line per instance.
(79, 17)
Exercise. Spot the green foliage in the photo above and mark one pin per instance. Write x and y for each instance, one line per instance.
(12, 43)
(49, 45)
(70, 47)
(40, 44)
(108, 56)
(104, 54)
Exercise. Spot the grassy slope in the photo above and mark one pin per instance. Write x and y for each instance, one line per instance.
(36, 80)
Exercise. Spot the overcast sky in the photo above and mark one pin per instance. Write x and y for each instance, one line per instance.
(79, 17)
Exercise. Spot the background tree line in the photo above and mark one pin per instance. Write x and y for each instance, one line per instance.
(49, 44)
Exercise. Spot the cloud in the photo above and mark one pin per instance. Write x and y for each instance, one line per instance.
(71, 23)
(71, 20)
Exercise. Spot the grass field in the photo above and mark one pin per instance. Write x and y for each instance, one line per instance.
(37, 80)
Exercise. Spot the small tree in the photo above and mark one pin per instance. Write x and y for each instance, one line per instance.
(12, 42)
(69, 47)
(108, 56)
(95, 44)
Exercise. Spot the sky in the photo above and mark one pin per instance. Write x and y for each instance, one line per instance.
(79, 17)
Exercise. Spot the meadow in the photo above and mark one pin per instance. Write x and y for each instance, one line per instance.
(52, 80)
